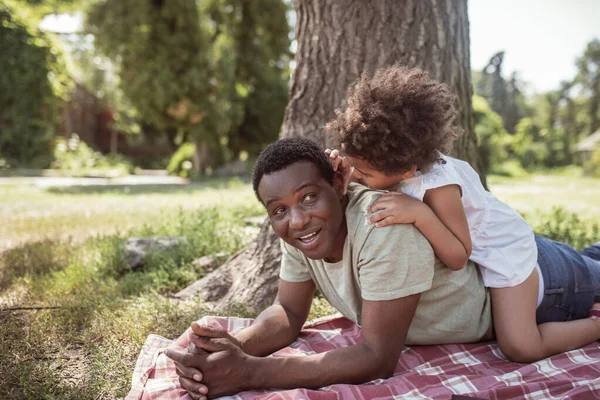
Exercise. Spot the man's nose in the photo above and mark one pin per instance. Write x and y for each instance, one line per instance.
(299, 218)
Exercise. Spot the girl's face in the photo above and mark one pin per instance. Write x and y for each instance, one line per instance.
(366, 175)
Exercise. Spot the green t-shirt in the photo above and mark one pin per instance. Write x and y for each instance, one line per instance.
(394, 262)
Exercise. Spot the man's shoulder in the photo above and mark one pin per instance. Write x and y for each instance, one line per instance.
(360, 199)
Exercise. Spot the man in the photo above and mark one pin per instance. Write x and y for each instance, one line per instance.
(387, 280)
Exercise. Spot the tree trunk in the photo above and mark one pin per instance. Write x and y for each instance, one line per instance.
(114, 142)
(337, 40)
(595, 104)
(200, 157)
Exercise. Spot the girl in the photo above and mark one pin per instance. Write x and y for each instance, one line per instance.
(395, 129)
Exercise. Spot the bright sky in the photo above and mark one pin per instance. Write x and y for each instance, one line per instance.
(541, 38)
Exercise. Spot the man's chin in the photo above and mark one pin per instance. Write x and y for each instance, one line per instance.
(318, 253)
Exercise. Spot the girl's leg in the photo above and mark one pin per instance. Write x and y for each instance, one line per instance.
(592, 251)
(518, 335)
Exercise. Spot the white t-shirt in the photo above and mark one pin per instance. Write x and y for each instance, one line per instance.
(503, 244)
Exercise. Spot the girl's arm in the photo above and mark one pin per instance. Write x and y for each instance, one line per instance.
(440, 217)
(446, 227)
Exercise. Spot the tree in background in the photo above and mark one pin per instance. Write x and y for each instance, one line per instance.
(337, 40)
(504, 97)
(261, 38)
(494, 142)
(588, 77)
(198, 71)
(162, 56)
(33, 77)
(567, 117)
(547, 125)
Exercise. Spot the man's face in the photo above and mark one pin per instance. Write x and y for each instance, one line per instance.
(304, 210)
(366, 175)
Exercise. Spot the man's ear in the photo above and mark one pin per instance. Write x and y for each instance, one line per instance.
(338, 183)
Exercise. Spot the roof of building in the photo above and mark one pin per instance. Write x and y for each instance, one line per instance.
(589, 143)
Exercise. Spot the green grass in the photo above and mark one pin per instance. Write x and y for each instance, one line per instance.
(66, 251)
(31, 213)
(538, 192)
(63, 248)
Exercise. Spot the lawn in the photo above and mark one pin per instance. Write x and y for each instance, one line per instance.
(63, 248)
(538, 192)
(31, 213)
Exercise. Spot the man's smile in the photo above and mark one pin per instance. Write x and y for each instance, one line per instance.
(309, 238)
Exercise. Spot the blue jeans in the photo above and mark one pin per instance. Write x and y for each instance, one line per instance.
(571, 280)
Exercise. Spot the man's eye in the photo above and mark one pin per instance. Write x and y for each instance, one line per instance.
(310, 197)
(278, 211)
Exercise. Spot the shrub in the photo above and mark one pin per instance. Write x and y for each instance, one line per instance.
(76, 157)
(511, 168)
(182, 162)
(592, 166)
(567, 227)
(495, 145)
(529, 148)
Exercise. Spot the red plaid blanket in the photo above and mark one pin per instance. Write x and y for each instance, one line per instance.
(423, 372)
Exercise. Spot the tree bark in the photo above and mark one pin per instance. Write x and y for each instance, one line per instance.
(338, 40)
(200, 157)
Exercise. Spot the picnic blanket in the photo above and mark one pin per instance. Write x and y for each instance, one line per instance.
(423, 372)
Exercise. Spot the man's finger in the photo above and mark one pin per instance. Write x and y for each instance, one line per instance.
(335, 153)
(193, 349)
(195, 396)
(193, 387)
(188, 372)
(328, 151)
(175, 355)
(208, 331)
(185, 359)
(211, 344)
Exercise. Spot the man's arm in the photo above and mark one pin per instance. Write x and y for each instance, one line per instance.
(228, 370)
(280, 324)
(385, 325)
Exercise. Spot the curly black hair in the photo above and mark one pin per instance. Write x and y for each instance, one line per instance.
(285, 152)
(398, 118)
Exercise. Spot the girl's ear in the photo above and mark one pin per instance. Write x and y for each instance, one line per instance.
(338, 183)
(409, 173)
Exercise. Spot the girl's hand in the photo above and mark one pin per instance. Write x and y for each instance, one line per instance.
(395, 208)
(340, 163)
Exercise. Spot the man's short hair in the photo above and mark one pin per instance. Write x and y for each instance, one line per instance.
(285, 152)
